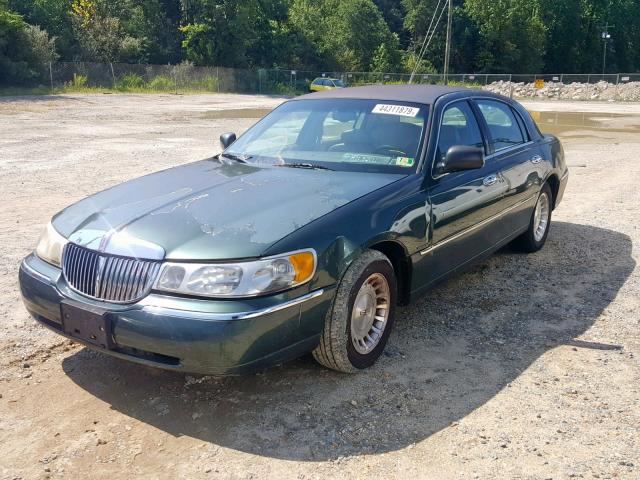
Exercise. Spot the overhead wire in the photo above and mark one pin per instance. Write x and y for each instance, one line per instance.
(428, 37)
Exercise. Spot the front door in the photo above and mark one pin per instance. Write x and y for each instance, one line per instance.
(462, 203)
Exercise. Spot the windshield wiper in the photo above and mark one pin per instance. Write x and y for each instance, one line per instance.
(237, 158)
(308, 166)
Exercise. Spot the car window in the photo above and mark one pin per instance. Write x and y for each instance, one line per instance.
(285, 132)
(338, 83)
(345, 134)
(317, 81)
(458, 127)
(523, 128)
(326, 83)
(336, 123)
(503, 126)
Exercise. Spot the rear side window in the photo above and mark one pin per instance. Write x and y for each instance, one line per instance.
(504, 128)
(459, 127)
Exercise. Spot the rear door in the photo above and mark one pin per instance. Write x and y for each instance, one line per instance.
(516, 159)
(462, 203)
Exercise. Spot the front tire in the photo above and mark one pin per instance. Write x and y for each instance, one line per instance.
(536, 235)
(361, 316)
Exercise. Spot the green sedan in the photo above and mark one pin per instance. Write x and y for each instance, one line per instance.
(303, 235)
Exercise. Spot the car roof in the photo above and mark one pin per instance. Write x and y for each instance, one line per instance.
(426, 94)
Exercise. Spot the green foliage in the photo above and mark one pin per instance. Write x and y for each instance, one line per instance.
(79, 81)
(22, 50)
(208, 83)
(349, 34)
(130, 81)
(54, 17)
(225, 32)
(43, 48)
(281, 88)
(422, 65)
(162, 83)
(515, 36)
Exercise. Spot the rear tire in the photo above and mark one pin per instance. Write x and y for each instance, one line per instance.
(361, 316)
(536, 235)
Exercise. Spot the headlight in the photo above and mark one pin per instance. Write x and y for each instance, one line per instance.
(50, 245)
(243, 279)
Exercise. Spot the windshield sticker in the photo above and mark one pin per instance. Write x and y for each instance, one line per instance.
(400, 110)
(404, 161)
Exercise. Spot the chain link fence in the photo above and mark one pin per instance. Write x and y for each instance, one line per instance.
(187, 78)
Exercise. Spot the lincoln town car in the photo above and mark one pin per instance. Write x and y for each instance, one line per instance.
(303, 235)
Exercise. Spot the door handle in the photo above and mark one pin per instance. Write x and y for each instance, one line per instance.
(536, 159)
(490, 180)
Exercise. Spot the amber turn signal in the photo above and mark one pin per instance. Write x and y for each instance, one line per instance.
(304, 264)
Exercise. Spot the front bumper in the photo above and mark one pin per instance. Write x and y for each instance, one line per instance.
(222, 337)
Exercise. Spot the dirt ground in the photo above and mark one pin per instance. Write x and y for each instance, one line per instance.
(525, 367)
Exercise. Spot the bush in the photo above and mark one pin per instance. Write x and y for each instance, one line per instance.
(162, 83)
(130, 81)
(280, 88)
(183, 71)
(208, 83)
(79, 81)
(43, 47)
(23, 49)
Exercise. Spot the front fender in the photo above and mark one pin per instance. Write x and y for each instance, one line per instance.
(395, 213)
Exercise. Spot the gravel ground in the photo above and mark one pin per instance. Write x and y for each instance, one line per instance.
(524, 367)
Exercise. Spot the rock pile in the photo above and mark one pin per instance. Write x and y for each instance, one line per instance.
(625, 92)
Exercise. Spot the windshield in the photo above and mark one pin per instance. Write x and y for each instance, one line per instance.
(338, 83)
(341, 134)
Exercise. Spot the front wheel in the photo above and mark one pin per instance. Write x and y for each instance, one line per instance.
(359, 321)
(536, 235)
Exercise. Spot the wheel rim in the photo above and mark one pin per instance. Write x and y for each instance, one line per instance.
(370, 313)
(541, 217)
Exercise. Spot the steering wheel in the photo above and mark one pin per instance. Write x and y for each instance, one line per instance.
(390, 149)
(335, 147)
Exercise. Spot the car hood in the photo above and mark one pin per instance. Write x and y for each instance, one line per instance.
(207, 210)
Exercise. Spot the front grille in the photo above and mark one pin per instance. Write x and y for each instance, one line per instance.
(107, 277)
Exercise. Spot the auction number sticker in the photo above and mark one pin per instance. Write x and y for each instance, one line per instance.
(401, 110)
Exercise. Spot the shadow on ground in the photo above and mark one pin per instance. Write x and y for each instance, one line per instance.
(452, 351)
(36, 98)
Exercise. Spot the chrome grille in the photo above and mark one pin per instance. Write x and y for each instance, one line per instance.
(107, 277)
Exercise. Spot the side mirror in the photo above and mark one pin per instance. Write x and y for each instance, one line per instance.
(227, 139)
(460, 158)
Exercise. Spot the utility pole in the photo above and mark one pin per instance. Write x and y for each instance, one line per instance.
(447, 50)
(606, 36)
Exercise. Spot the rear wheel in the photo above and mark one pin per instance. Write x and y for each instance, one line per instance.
(361, 316)
(536, 235)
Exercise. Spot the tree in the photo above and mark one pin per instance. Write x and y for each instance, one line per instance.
(43, 47)
(393, 12)
(103, 36)
(23, 50)
(514, 36)
(346, 34)
(225, 32)
(512, 32)
(54, 17)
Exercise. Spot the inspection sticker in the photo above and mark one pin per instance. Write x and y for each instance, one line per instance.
(401, 110)
(404, 161)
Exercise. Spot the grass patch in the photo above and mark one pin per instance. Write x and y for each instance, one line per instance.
(21, 91)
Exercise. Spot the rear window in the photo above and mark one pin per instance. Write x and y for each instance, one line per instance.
(503, 126)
